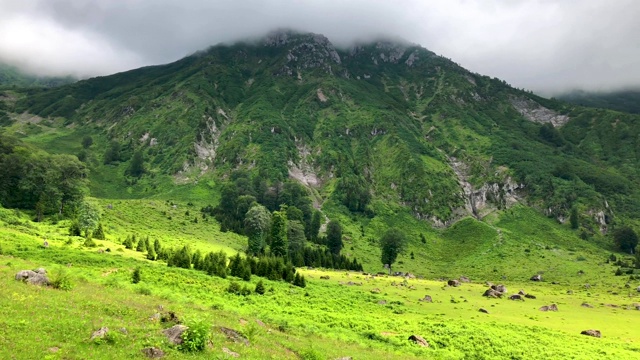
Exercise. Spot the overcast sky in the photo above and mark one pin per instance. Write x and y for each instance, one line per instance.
(542, 45)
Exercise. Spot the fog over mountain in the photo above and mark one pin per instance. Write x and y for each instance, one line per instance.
(543, 45)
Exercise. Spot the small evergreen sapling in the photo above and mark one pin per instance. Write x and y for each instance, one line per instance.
(260, 288)
(136, 277)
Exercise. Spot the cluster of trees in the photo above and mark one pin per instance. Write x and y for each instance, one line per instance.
(154, 250)
(35, 180)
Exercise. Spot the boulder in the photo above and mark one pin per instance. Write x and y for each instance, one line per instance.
(375, 291)
(499, 288)
(516, 297)
(492, 293)
(419, 340)
(586, 305)
(529, 296)
(100, 333)
(464, 279)
(453, 282)
(234, 336)
(638, 289)
(536, 277)
(483, 310)
(552, 307)
(594, 333)
(153, 353)
(521, 292)
(382, 302)
(324, 277)
(37, 277)
(174, 334)
(426, 298)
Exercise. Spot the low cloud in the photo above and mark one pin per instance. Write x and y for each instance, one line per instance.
(543, 45)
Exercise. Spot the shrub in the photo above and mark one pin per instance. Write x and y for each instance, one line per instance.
(98, 233)
(143, 290)
(310, 354)
(1, 252)
(619, 272)
(196, 337)
(62, 281)
(245, 291)
(74, 229)
(260, 288)
(136, 277)
(88, 242)
(234, 288)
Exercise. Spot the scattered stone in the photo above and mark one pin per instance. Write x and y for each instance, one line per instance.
(54, 349)
(516, 297)
(234, 336)
(612, 305)
(375, 291)
(174, 334)
(260, 323)
(45, 244)
(499, 288)
(351, 283)
(492, 293)
(170, 317)
(638, 289)
(419, 340)
(324, 277)
(529, 296)
(587, 286)
(427, 298)
(100, 333)
(521, 292)
(483, 310)
(153, 352)
(594, 333)
(243, 322)
(37, 277)
(552, 307)
(123, 331)
(464, 279)
(536, 277)
(453, 282)
(586, 305)
(382, 302)
(230, 353)
(155, 317)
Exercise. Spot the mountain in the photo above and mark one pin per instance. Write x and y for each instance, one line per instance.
(12, 76)
(625, 100)
(372, 128)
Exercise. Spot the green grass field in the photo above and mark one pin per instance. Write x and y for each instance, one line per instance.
(350, 314)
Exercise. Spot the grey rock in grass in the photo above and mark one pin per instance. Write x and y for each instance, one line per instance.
(427, 298)
(230, 353)
(529, 296)
(419, 340)
(492, 293)
(234, 335)
(174, 334)
(453, 282)
(483, 310)
(516, 297)
(638, 289)
(499, 288)
(552, 307)
(521, 292)
(536, 277)
(464, 279)
(100, 333)
(153, 352)
(586, 305)
(591, 332)
(382, 302)
(33, 277)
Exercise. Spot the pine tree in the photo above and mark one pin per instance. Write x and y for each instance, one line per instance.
(157, 246)
(136, 277)
(98, 233)
(141, 246)
(260, 288)
(334, 237)
(151, 254)
(279, 234)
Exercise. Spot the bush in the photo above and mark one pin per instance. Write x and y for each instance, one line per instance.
(310, 354)
(245, 291)
(234, 288)
(136, 277)
(143, 290)
(196, 337)
(62, 281)
(74, 229)
(89, 242)
(260, 288)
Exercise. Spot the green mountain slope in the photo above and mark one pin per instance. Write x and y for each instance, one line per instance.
(625, 100)
(377, 124)
(12, 76)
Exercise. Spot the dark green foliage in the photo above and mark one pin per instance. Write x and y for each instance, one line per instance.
(353, 192)
(112, 154)
(88, 242)
(256, 226)
(136, 166)
(234, 288)
(392, 243)
(61, 280)
(98, 233)
(626, 239)
(295, 236)
(314, 227)
(129, 242)
(87, 141)
(181, 258)
(574, 218)
(215, 264)
(625, 100)
(334, 237)
(151, 253)
(299, 281)
(157, 246)
(260, 288)
(142, 246)
(245, 291)
(278, 234)
(74, 229)
(136, 276)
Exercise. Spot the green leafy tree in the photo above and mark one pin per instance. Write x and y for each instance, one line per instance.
(626, 239)
(392, 243)
(334, 237)
(574, 218)
(113, 153)
(295, 236)
(278, 234)
(136, 166)
(88, 217)
(256, 226)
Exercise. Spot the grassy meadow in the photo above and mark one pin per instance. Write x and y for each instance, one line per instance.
(349, 314)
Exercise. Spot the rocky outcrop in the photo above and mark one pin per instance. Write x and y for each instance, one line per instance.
(535, 112)
(594, 333)
(305, 51)
(38, 277)
(174, 334)
(153, 353)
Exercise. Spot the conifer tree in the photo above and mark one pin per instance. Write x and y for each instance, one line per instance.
(260, 288)
(279, 233)
(136, 277)
(151, 253)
